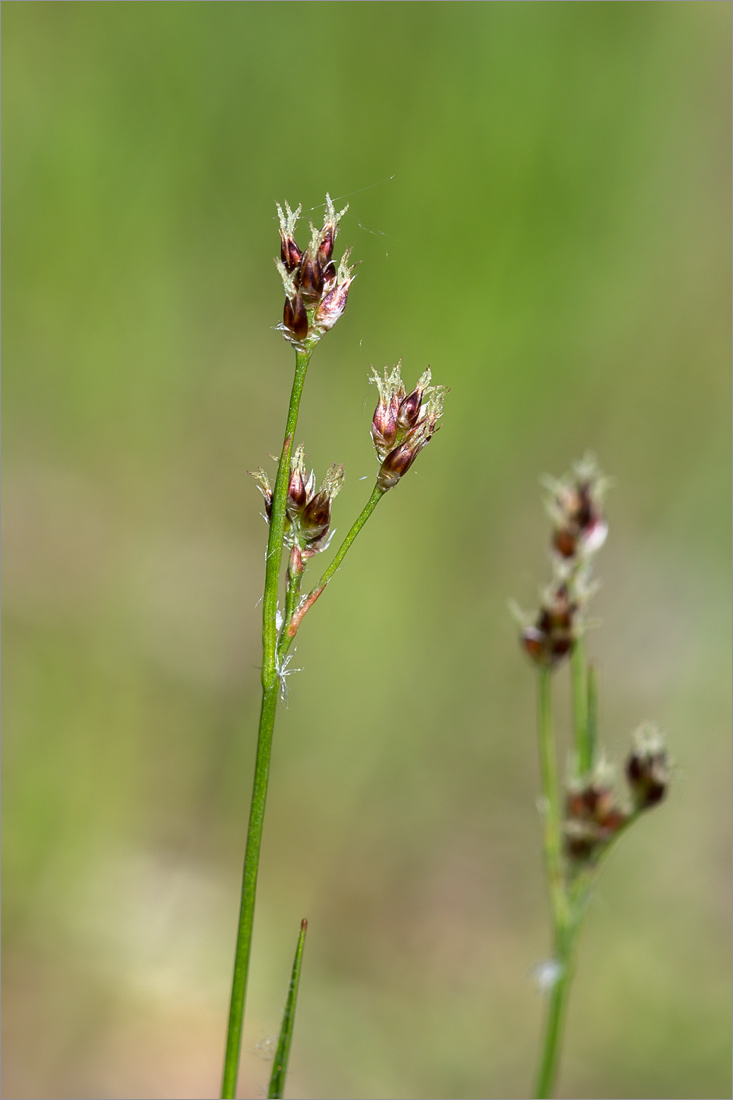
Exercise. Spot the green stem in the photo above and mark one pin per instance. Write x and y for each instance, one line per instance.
(552, 832)
(592, 713)
(561, 914)
(565, 940)
(277, 528)
(264, 739)
(291, 630)
(566, 932)
(578, 674)
(296, 569)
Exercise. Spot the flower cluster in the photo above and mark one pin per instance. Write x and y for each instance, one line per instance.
(593, 812)
(316, 289)
(308, 511)
(575, 508)
(579, 531)
(552, 635)
(648, 768)
(403, 423)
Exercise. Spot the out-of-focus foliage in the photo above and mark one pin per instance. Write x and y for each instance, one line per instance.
(540, 198)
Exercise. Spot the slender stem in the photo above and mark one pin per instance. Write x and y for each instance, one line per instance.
(553, 1031)
(578, 676)
(566, 932)
(249, 888)
(561, 914)
(277, 528)
(565, 940)
(264, 739)
(289, 633)
(592, 720)
(552, 838)
(296, 568)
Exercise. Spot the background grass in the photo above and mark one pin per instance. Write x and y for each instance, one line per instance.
(540, 197)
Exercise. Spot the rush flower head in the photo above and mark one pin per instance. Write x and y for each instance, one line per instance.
(648, 767)
(575, 507)
(316, 289)
(307, 511)
(550, 638)
(403, 423)
(592, 813)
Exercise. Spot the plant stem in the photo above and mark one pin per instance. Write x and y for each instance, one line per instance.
(296, 568)
(552, 839)
(592, 718)
(565, 940)
(277, 528)
(264, 739)
(291, 630)
(578, 674)
(561, 914)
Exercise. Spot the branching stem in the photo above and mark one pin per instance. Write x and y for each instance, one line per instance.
(291, 628)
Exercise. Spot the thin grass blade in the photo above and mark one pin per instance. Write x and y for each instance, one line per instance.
(280, 1068)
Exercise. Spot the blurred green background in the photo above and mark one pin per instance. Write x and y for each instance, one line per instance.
(540, 198)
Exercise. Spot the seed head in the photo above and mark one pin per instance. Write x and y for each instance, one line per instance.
(575, 507)
(551, 637)
(308, 511)
(402, 425)
(593, 815)
(648, 767)
(316, 290)
(316, 516)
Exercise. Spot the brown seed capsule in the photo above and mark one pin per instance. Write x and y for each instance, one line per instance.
(409, 412)
(592, 815)
(297, 491)
(565, 543)
(384, 424)
(325, 248)
(332, 306)
(311, 280)
(648, 777)
(396, 464)
(535, 645)
(582, 840)
(290, 254)
(316, 517)
(295, 317)
(553, 634)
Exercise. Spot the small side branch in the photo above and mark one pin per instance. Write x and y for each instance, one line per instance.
(290, 628)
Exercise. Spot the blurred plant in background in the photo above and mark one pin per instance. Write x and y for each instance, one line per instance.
(578, 835)
(543, 216)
